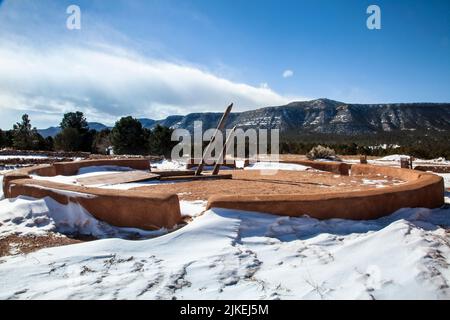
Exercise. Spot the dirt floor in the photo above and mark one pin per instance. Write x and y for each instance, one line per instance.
(283, 182)
(12, 245)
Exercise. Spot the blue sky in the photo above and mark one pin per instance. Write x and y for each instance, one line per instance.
(153, 58)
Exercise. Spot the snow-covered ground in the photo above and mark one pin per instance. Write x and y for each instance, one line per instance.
(382, 181)
(83, 173)
(2, 157)
(398, 157)
(192, 208)
(394, 160)
(276, 166)
(446, 177)
(1, 187)
(229, 254)
(169, 165)
(27, 216)
(97, 171)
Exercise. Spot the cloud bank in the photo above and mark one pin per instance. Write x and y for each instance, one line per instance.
(46, 70)
(108, 82)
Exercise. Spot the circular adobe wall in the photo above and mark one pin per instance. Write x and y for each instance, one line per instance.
(121, 208)
(134, 208)
(420, 190)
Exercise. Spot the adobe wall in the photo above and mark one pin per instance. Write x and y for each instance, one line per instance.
(194, 162)
(420, 190)
(71, 168)
(330, 166)
(131, 208)
(123, 208)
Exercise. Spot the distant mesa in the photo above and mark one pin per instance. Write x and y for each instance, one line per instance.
(53, 131)
(320, 116)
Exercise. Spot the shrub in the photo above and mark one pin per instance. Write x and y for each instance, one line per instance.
(102, 141)
(320, 152)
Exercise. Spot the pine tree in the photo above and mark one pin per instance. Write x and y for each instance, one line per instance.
(25, 137)
(129, 137)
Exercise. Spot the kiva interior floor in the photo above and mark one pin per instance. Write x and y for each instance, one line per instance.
(283, 182)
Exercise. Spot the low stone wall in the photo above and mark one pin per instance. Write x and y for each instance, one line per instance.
(123, 208)
(420, 190)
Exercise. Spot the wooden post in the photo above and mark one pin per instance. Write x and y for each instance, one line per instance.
(220, 127)
(404, 163)
(363, 159)
(223, 152)
(411, 159)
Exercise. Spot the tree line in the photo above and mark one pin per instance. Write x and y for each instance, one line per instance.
(128, 136)
(423, 149)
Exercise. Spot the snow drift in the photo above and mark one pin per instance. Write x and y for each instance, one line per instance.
(229, 254)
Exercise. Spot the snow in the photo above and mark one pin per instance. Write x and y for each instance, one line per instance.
(397, 157)
(27, 216)
(240, 164)
(131, 185)
(121, 186)
(394, 157)
(376, 183)
(91, 172)
(276, 166)
(227, 254)
(169, 165)
(102, 170)
(394, 161)
(192, 208)
(325, 160)
(230, 254)
(2, 157)
(446, 177)
(385, 146)
(381, 183)
(1, 187)
(85, 171)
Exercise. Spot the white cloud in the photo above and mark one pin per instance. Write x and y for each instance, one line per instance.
(46, 71)
(288, 73)
(107, 82)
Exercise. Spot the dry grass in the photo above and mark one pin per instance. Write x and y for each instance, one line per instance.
(14, 244)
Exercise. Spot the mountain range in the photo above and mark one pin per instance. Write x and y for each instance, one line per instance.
(321, 116)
